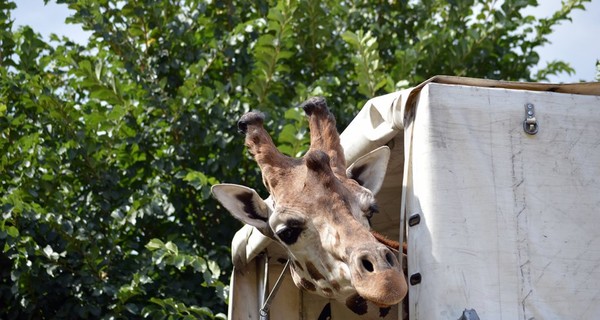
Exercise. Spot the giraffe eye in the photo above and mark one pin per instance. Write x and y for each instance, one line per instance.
(292, 230)
(289, 235)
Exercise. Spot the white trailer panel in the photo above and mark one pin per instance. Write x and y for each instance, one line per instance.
(509, 222)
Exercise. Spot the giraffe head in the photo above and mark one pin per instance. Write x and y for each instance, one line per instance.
(320, 212)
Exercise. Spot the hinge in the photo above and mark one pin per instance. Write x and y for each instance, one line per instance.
(530, 124)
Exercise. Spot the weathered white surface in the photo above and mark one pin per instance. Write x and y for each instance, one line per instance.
(509, 221)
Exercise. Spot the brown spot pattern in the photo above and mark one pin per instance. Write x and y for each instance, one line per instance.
(313, 271)
(307, 285)
(335, 285)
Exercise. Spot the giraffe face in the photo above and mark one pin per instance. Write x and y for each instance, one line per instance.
(322, 230)
(319, 212)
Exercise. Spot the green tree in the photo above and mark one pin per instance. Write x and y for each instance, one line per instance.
(108, 149)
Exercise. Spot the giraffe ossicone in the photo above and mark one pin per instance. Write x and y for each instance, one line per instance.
(320, 212)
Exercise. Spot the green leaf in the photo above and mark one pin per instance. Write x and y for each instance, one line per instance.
(155, 244)
(199, 265)
(12, 231)
(179, 261)
(157, 301)
(288, 134)
(351, 38)
(196, 179)
(171, 247)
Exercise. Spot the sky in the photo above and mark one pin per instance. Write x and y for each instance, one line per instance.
(576, 42)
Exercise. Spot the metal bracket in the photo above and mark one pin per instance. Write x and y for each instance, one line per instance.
(264, 310)
(470, 314)
(530, 124)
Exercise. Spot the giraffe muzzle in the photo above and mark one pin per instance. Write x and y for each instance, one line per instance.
(377, 275)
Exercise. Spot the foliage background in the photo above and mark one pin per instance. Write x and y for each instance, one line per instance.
(109, 149)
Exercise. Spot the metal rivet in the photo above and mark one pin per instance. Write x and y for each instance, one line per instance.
(415, 279)
(414, 220)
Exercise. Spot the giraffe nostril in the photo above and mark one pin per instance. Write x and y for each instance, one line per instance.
(390, 259)
(367, 265)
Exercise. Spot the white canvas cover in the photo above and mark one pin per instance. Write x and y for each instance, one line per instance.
(508, 221)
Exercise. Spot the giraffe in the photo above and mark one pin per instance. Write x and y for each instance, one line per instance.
(319, 212)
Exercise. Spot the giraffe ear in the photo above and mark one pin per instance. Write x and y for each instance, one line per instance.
(245, 205)
(369, 170)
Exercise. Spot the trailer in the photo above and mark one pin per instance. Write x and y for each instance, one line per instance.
(495, 188)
